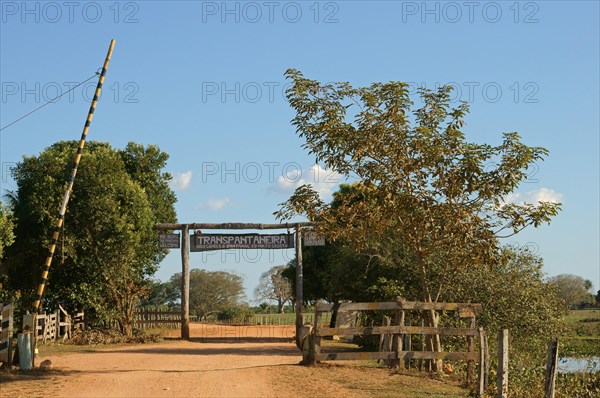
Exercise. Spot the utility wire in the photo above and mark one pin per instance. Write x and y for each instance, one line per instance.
(49, 102)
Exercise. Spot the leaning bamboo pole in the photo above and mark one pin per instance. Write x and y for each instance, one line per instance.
(63, 208)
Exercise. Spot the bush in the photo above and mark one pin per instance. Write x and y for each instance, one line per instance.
(111, 336)
(235, 314)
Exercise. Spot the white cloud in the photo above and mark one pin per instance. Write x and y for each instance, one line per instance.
(218, 204)
(324, 181)
(181, 181)
(535, 196)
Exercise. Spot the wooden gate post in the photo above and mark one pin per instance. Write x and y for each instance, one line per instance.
(503, 363)
(550, 379)
(471, 345)
(185, 283)
(299, 282)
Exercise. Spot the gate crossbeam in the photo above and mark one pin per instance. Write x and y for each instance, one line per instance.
(173, 227)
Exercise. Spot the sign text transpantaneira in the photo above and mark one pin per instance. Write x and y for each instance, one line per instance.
(205, 242)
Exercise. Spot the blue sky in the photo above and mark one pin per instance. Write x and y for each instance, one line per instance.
(204, 81)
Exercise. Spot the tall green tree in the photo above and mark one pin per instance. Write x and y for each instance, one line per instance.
(212, 291)
(420, 179)
(108, 246)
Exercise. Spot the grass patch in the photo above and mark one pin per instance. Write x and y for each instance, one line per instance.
(582, 338)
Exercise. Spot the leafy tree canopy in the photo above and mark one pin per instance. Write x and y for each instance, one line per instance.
(108, 246)
(420, 180)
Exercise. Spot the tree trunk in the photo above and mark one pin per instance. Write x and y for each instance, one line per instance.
(280, 306)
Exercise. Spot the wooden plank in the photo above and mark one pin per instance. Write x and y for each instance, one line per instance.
(452, 356)
(315, 342)
(234, 225)
(471, 349)
(326, 331)
(349, 356)
(384, 338)
(502, 374)
(482, 367)
(185, 284)
(169, 313)
(408, 346)
(551, 367)
(299, 289)
(397, 338)
(158, 321)
(405, 305)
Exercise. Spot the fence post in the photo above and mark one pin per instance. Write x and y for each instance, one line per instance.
(483, 375)
(397, 339)
(552, 364)
(185, 283)
(471, 345)
(503, 364)
(408, 346)
(315, 343)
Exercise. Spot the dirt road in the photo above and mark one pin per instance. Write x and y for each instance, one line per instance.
(210, 366)
(180, 369)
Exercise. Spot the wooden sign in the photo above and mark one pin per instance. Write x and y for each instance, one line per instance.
(312, 239)
(168, 241)
(205, 242)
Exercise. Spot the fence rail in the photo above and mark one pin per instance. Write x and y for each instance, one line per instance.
(156, 318)
(392, 335)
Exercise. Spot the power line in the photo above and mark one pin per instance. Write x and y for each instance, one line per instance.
(49, 102)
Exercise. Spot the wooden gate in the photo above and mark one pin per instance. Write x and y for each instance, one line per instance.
(397, 330)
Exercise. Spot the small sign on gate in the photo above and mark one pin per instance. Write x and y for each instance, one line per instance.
(312, 239)
(168, 241)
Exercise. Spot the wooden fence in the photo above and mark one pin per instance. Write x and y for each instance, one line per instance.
(6, 332)
(150, 318)
(57, 325)
(270, 320)
(394, 352)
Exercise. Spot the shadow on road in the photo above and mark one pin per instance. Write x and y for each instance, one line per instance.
(226, 349)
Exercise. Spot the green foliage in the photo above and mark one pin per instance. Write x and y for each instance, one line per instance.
(161, 294)
(212, 291)
(7, 235)
(420, 180)
(578, 385)
(6, 239)
(238, 314)
(108, 246)
(514, 296)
